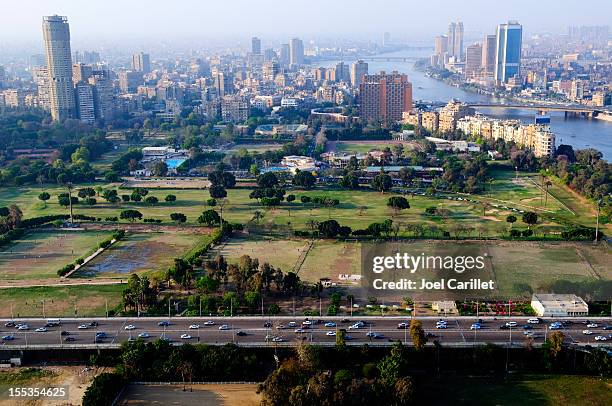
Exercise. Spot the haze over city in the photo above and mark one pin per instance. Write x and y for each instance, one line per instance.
(129, 21)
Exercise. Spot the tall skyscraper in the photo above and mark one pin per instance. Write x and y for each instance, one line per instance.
(56, 34)
(85, 102)
(223, 82)
(473, 60)
(441, 45)
(141, 62)
(358, 70)
(384, 97)
(489, 46)
(455, 40)
(255, 46)
(285, 52)
(296, 52)
(508, 51)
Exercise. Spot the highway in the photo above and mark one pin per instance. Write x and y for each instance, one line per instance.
(252, 331)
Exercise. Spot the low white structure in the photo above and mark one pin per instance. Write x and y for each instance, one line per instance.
(444, 306)
(558, 305)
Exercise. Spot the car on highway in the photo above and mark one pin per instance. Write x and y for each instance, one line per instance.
(41, 329)
(209, 323)
(194, 326)
(93, 324)
(533, 320)
(9, 324)
(587, 332)
(607, 327)
(267, 324)
(241, 334)
(592, 325)
(100, 334)
(475, 326)
(278, 339)
(224, 327)
(512, 324)
(131, 339)
(129, 327)
(166, 339)
(8, 337)
(527, 327)
(373, 334)
(185, 337)
(23, 327)
(442, 325)
(555, 326)
(163, 323)
(69, 339)
(331, 334)
(601, 338)
(299, 331)
(307, 323)
(83, 326)
(144, 334)
(65, 333)
(503, 327)
(402, 325)
(330, 324)
(281, 327)
(292, 324)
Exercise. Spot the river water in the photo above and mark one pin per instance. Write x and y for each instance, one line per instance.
(576, 131)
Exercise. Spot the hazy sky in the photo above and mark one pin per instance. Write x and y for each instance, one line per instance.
(113, 20)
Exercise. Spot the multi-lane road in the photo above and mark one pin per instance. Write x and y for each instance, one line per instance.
(261, 331)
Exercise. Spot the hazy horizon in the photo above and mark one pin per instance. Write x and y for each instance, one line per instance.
(192, 20)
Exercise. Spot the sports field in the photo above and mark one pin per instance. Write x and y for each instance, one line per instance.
(139, 252)
(363, 147)
(38, 255)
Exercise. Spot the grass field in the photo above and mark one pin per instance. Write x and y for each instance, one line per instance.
(38, 255)
(59, 301)
(363, 147)
(526, 390)
(518, 268)
(357, 209)
(279, 253)
(139, 253)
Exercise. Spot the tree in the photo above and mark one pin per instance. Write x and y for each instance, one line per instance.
(530, 218)
(178, 217)
(160, 168)
(210, 218)
(555, 342)
(135, 196)
(304, 179)
(217, 192)
(398, 203)
(44, 196)
(382, 182)
(220, 178)
(131, 215)
(267, 180)
(417, 334)
(329, 228)
(211, 202)
(406, 175)
(170, 198)
(151, 200)
(350, 181)
(112, 176)
(86, 192)
(511, 219)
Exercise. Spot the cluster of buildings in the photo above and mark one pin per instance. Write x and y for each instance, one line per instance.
(536, 136)
(496, 60)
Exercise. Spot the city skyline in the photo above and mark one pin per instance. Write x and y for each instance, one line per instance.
(18, 22)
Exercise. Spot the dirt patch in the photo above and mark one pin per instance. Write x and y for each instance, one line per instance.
(171, 183)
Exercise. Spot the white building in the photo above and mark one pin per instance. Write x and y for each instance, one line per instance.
(559, 305)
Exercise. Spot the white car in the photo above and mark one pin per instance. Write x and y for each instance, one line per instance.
(144, 335)
(278, 339)
(224, 327)
(185, 337)
(330, 324)
(441, 326)
(533, 321)
(601, 338)
(330, 333)
(83, 327)
(475, 326)
(281, 326)
(511, 324)
(194, 326)
(592, 325)
(23, 327)
(299, 330)
(209, 323)
(129, 327)
(587, 332)
(307, 323)
(41, 329)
